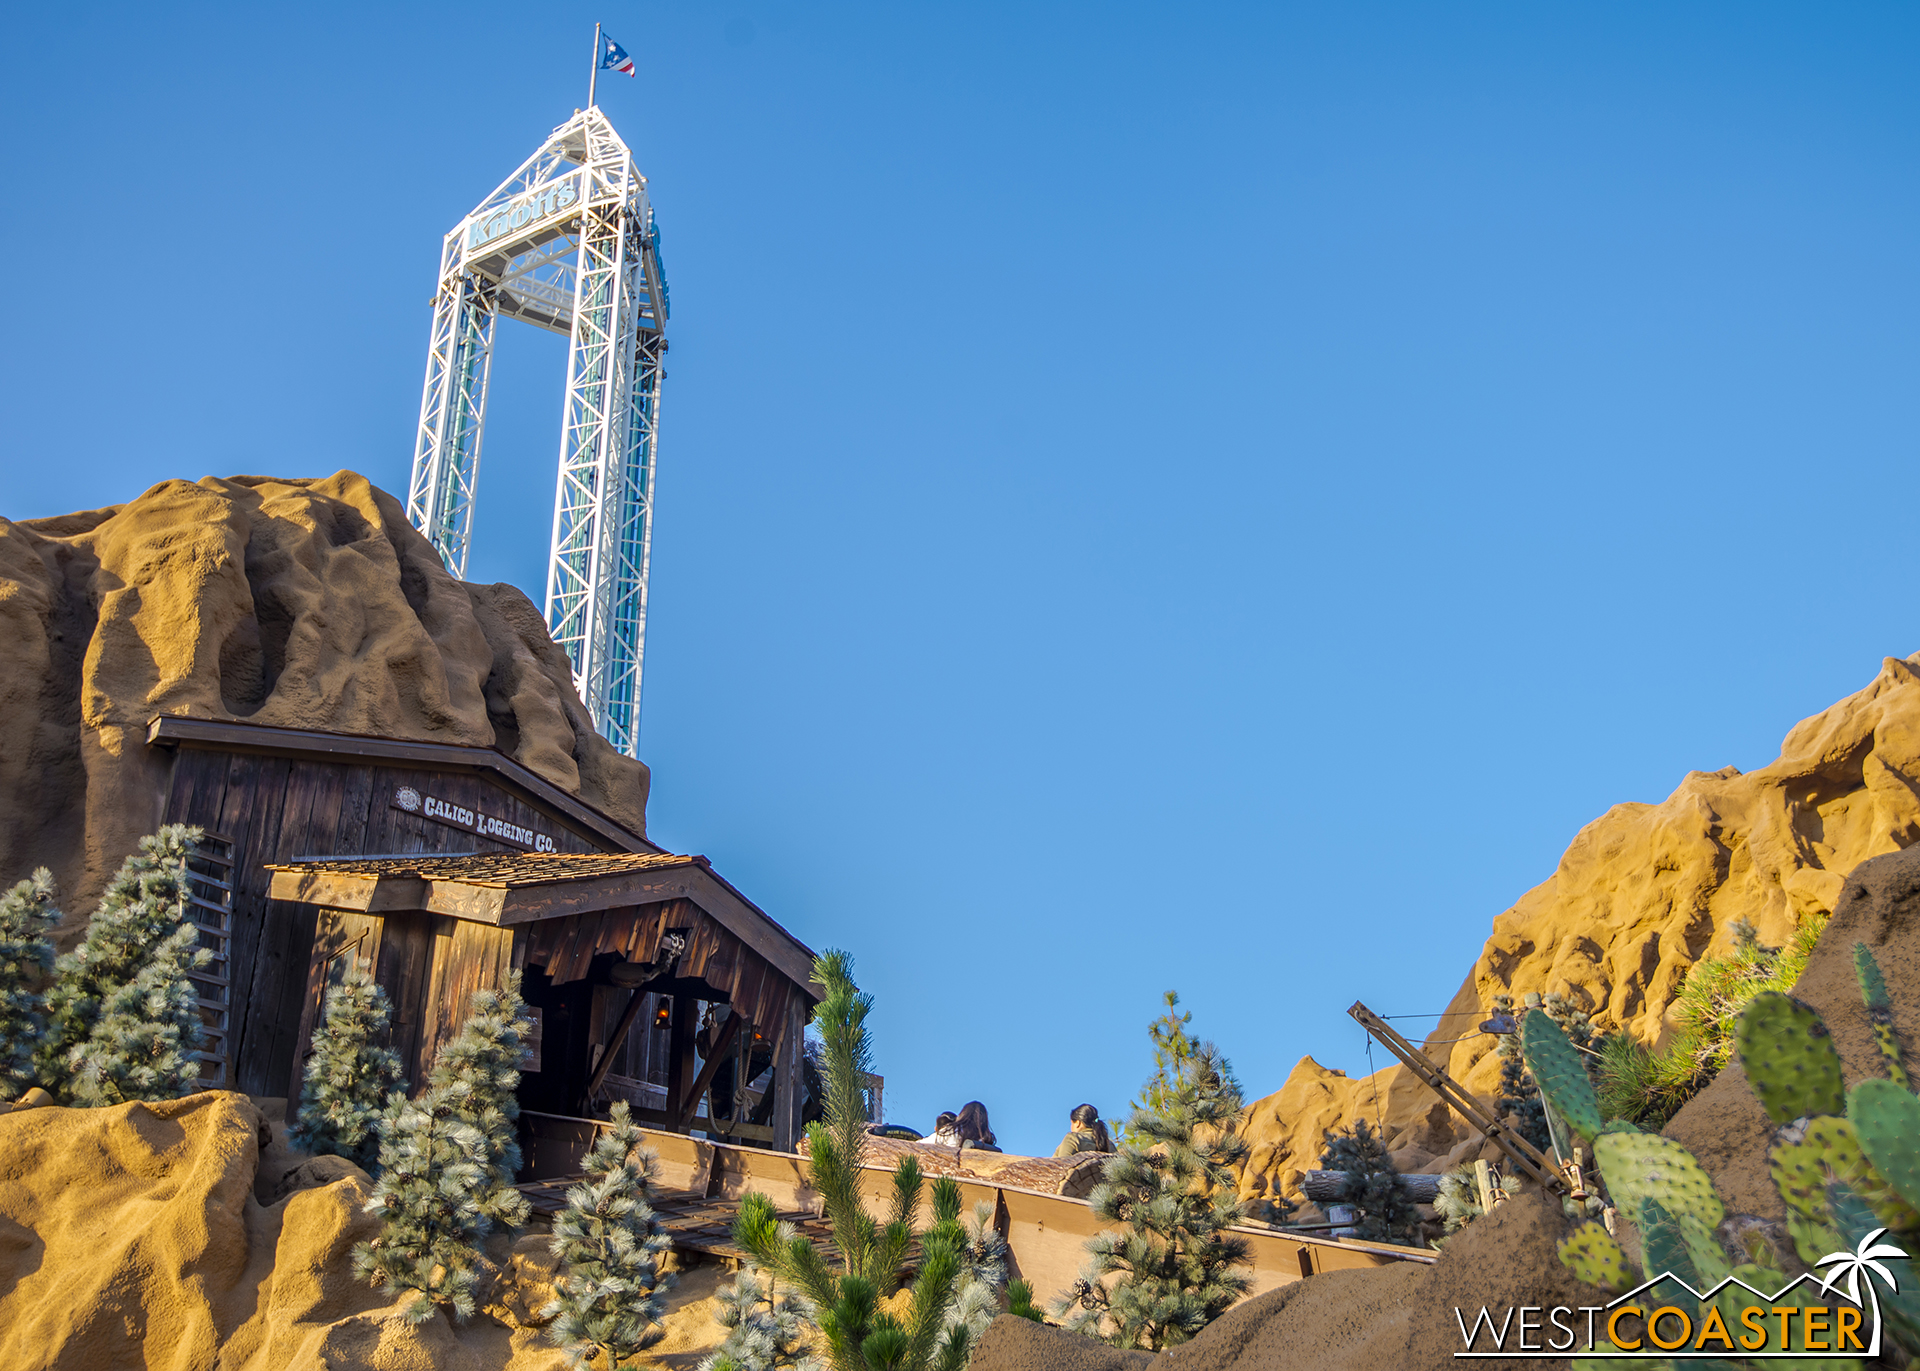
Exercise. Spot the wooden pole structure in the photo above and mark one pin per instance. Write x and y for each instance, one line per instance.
(786, 1077)
(715, 1055)
(599, 1077)
(1524, 1154)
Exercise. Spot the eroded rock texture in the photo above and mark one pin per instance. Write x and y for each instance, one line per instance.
(1642, 893)
(302, 603)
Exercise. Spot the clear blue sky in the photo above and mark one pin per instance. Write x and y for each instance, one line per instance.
(1176, 496)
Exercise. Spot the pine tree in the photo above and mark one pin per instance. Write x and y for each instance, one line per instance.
(1519, 1096)
(763, 1325)
(349, 1075)
(447, 1162)
(857, 1334)
(1458, 1202)
(26, 955)
(1387, 1213)
(1172, 1186)
(123, 1023)
(609, 1295)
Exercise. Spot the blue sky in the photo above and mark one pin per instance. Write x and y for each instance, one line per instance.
(1207, 497)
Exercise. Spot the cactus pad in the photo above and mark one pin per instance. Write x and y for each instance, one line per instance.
(1789, 1058)
(1873, 990)
(1887, 1121)
(1621, 1126)
(1646, 1166)
(1560, 1074)
(1709, 1257)
(1664, 1249)
(1596, 1257)
(1810, 1154)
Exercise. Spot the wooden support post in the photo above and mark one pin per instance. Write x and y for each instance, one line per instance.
(627, 1017)
(1524, 1154)
(681, 1067)
(715, 1055)
(786, 1078)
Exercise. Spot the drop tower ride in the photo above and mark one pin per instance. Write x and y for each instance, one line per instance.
(567, 243)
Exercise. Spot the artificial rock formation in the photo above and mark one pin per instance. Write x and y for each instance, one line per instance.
(302, 603)
(1641, 894)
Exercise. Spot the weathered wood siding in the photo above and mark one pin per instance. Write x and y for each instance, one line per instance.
(278, 808)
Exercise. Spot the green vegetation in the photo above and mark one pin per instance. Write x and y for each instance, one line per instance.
(27, 911)
(1519, 1095)
(447, 1162)
(609, 1297)
(1845, 1164)
(763, 1326)
(1171, 1185)
(1372, 1185)
(939, 1327)
(122, 1022)
(349, 1076)
(1646, 1087)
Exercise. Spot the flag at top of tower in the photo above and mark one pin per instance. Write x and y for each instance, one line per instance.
(613, 57)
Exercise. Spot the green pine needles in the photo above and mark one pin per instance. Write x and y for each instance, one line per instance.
(447, 1162)
(1171, 1185)
(1373, 1185)
(609, 1298)
(123, 1022)
(349, 1076)
(855, 1333)
(26, 955)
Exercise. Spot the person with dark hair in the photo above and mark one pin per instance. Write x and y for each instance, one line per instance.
(972, 1127)
(944, 1134)
(1087, 1132)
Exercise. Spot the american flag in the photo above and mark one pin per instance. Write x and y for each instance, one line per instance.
(614, 57)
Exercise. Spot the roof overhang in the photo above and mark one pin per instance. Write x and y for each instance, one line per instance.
(462, 887)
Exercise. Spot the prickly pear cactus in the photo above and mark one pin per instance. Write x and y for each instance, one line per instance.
(1873, 989)
(1900, 1307)
(1620, 1126)
(1560, 1074)
(1664, 1250)
(1709, 1257)
(1789, 1058)
(1887, 1122)
(1810, 1154)
(1645, 1166)
(1596, 1257)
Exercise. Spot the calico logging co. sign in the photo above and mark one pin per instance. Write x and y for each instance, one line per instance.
(472, 820)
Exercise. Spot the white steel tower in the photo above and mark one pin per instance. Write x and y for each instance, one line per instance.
(567, 243)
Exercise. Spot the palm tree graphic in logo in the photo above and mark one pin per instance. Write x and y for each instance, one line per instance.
(1849, 1265)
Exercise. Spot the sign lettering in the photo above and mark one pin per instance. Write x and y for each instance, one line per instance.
(543, 202)
(472, 820)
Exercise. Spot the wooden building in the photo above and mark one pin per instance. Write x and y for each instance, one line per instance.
(278, 797)
(642, 934)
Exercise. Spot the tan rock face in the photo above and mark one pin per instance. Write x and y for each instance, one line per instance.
(298, 603)
(1642, 893)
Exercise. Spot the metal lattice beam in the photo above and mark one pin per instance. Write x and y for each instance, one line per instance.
(567, 243)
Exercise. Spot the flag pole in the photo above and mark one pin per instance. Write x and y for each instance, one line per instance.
(594, 77)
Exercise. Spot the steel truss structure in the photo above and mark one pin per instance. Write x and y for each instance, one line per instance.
(567, 243)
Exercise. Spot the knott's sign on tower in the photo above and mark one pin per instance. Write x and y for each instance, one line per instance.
(568, 243)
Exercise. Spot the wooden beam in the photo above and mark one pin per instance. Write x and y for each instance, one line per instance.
(786, 1078)
(683, 1026)
(1524, 1154)
(715, 1055)
(627, 1016)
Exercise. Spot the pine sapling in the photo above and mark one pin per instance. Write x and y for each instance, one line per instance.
(27, 911)
(609, 1297)
(349, 1075)
(447, 1162)
(1372, 1185)
(764, 1324)
(1171, 1270)
(123, 1016)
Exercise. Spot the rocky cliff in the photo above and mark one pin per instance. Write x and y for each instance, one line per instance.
(1642, 893)
(303, 603)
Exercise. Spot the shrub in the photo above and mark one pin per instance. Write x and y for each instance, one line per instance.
(349, 1075)
(447, 1162)
(123, 1021)
(1172, 1185)
(608, 1299)
(27, 911)
(1372, 1185)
